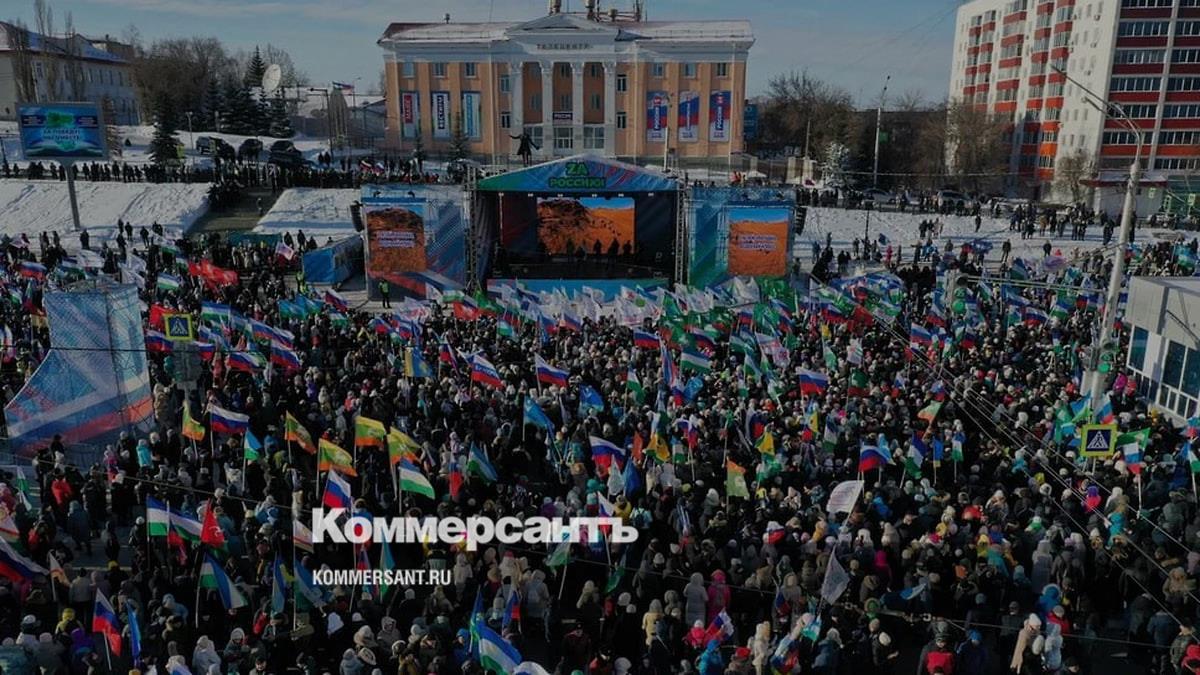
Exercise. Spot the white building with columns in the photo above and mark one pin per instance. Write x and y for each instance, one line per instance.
(605, 82)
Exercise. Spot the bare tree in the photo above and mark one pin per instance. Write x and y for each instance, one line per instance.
(929, 154)
(44, 16)
(132, 37)
(292, 76)
(1072, 171)
(181, 69)
(381, 85)
(978, 156)
(72, 62)
(22, 60)
(800, 110)
(112, 137)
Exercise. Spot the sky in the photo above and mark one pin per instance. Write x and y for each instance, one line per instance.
(855, 43)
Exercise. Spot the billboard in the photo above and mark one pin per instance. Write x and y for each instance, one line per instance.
(472, 110)
(750, 121)
(656, 116)
(718, 116)
(758, 240)
(441, 113)
(689, 116)
(395, 239)
(566, 224)
(61, 131)
(410, 114)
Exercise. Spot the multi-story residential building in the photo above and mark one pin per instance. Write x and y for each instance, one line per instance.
(608, 82)
(1141, 54)
(35, 68)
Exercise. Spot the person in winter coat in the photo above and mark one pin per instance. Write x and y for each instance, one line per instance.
(204, 656)
(718, 596)
(696, 598)
(710, 661)
(971, 657)
(829, 654)
(936, 657)
(1024, 660)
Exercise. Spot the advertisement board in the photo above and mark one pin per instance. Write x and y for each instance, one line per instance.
(718, 116)
(441, 113)
(410, 113)
(472, 107)
(656, 116)
(689, 116)
(61, 131)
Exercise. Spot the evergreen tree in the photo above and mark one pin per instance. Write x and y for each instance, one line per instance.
(459, 144)
(163, 145)
(255, 70)
(230, 108)
(212, 106)
(281, 122)
(418, 153)
(262, 117)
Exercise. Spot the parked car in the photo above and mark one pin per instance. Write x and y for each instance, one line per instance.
(879, 196)
(250, 149)
(207, 145)
(284, 153)
(950, 197)
(223, 150)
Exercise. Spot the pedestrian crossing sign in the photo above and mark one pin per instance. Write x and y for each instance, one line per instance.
(1099, 440)
(178, 327)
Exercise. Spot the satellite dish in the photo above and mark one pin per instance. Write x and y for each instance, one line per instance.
(271, 78)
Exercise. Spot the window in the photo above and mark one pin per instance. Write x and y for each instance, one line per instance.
(563, 139)
(1141, 111)
(505, 84)
(409, 69)
(1133, 4)
(439, 69)
(37, 69)
(1140, 56)
(1178, 137)
(535, 101)
(622, 82)
(1185, 56)
(564, 102)
(1172, 111)
(1120, 138)
(505, 120)
(595, 70)
(1183, 83)
(596, 102)
(658, 70)
(1177, 163)
(1135, 83)
(1143, 28)
(1187, 28)
(564, 70)
(622, 120)
(1173, 365)
(593, 137)
(1052, 114)
(470, 69)
(1137, 348)
(722, 69)
(535, 134)
(689, 70)
(1191, 374)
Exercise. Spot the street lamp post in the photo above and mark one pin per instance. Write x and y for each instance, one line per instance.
(667, 138)
(328, 121)
(1117, 276)
(191, 138)
(878, 129)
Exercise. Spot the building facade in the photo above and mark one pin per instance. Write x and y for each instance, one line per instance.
(1141, 54)
(608, 83)
(1164, 346)
(34, 69)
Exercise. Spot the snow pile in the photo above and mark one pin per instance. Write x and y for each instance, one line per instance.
(36, 206)
(314, 210)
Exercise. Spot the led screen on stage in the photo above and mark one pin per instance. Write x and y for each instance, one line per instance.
(395, 240)
(758, 241)
(566, 224)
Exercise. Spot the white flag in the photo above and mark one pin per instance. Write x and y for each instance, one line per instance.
(836, 581)
(843, 496)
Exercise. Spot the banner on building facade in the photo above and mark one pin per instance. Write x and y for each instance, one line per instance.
(472, 107)
(656, 116)
(441, 114)
(689, 116)
(410, 114)
(718, 116)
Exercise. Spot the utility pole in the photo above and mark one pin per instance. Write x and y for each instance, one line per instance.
(328, 120)
(667, 138)
(878, 128)
(1112, 110)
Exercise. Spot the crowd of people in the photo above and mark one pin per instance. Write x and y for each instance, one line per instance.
(725, 425)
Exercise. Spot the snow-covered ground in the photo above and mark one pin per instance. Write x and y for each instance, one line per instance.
(903, 229)
(42, 206)
(316, 211)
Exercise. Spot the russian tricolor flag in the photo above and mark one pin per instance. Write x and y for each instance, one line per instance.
(644, 340)
(337, 492)
(336, 301)
(17, 567)
(920, 336)
(812, 382)
(105, 622)
(32, 270)
(872, 457)
(228, 422)
(1032, 316)
(604, 451)
(484, 372)
(244, 361)
(284, 357)
(572, 322)
(157, 342)
(548, 374)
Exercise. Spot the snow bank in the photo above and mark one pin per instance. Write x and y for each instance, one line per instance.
(36, 206)
(314, 210)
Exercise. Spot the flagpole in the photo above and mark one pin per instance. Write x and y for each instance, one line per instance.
(108, 653)
(562, 583)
